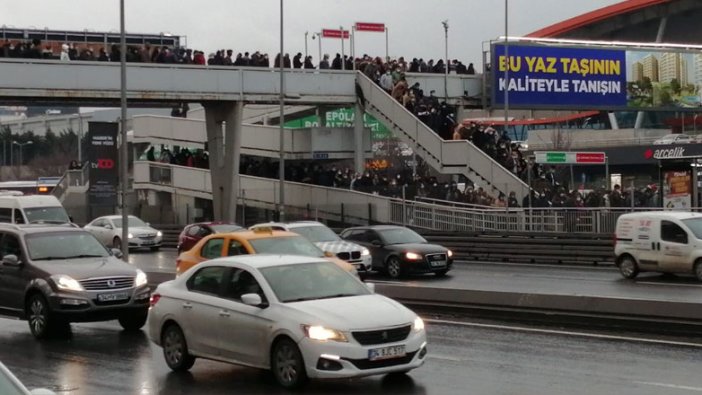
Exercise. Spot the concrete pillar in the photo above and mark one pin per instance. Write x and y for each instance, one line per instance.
(223, 122)
(358, 154)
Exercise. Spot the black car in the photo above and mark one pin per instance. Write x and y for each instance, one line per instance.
(52, 276)
(397, 250)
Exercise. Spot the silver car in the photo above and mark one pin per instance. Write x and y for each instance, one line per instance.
(108, 230)
(327, 241)
(10, 385)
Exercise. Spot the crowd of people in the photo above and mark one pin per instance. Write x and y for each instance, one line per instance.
(179, 156)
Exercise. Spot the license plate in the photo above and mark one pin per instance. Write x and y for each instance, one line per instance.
(112, 297)
(376, 354)
(438, 263)
(148, 243)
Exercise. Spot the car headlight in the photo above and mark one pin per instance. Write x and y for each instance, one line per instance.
(418, 325)
(67, 283)
(129, 235)
(323, 334)
(365, 251)
(412, 256)
(141, 278)
(159, 234)
(449, 253)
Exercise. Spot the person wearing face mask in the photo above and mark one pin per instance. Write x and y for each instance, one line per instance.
(512, 200)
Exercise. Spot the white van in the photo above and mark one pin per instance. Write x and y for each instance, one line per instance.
(659, 241)
(19, 209)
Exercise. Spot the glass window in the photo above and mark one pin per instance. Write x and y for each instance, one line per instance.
(355, 234)
(236, 248)
(207, 280)
(212, 248)
(695, 225)
(10, 245)
(48, 215)
(242, 283)
(19, 218)
(64, 245)
(9, 385)
(134, 222)
(673, 233)
(309, 281)
(5, 215)
(193, 230)
(400, 236)
(225, 228)
(293, 245)
(316, 234)
(99, 223)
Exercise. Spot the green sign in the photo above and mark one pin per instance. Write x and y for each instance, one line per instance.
(343, 118)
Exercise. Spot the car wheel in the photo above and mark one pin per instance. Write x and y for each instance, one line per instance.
(698, 269)
(394, 267)
(441, 273)
(175, 349)
(628, 267)
(41, 322)
(133, 323)
(154, 249)
(287, 364)
(117, 243)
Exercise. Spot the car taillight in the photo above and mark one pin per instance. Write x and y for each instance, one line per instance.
(154, 299)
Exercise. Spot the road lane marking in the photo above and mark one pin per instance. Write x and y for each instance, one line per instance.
(444, 357)
(566, 333)
(675, 386)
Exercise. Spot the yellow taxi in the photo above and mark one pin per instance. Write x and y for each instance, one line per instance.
(259, 241)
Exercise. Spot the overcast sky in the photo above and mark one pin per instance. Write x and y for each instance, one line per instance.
(415, 28)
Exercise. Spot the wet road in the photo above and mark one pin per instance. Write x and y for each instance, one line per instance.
(548, 279)
(470, 358)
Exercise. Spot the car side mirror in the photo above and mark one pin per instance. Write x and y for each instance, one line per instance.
(253, 300)
(371, 287)
(148, 224)
(11, 260)
(116, 252)
(329, 254)
(376, 243)
(108, 226)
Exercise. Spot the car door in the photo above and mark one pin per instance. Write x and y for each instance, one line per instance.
(376, 245)
(244, 329)
(13, 279)
(200, 310)
(675, 249)
(97, 229)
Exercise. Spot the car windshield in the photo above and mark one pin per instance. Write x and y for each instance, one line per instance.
(134, 222)
(47, 215)
(63, 245)
(316, 234)
(695, 225)
(292, 245)
(9, 386)
(225, 228)
(400, 236)
(310, 281)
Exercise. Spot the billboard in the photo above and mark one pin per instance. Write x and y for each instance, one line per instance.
(568, 77)
(677, 189)
(102, 155)
(343, 118)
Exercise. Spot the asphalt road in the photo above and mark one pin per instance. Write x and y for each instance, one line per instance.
(471, 358)
(526, 278)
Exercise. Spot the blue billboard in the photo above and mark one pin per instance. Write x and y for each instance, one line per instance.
(559, 77)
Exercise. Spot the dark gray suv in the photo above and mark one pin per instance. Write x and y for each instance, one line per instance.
(54, 275)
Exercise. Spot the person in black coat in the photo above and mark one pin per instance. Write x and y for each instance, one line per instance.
(297, 61)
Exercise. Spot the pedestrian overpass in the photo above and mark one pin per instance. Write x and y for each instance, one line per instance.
(224, 92)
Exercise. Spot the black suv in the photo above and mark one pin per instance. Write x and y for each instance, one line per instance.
(54, 275)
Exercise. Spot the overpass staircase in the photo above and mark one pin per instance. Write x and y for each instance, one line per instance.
(447, 157)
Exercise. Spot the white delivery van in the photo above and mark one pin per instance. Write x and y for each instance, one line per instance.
(659, 241)
(37, 209)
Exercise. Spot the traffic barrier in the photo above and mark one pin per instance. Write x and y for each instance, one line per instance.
(513, 247)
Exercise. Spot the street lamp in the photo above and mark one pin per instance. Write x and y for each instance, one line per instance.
(306, 33)
(281, 119)
(21, 145)
(318, 36)
(446, 65)
(123, 156)
(508, 66)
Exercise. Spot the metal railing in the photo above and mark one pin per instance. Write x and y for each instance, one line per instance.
(71, 178)
(551, 220)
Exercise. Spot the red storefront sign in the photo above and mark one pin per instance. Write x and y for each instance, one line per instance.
(335, 33)
(370, 27)
(590, 157)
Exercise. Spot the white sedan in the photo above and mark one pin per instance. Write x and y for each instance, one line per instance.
(108, 230)
(300, 317)
(677, 138)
